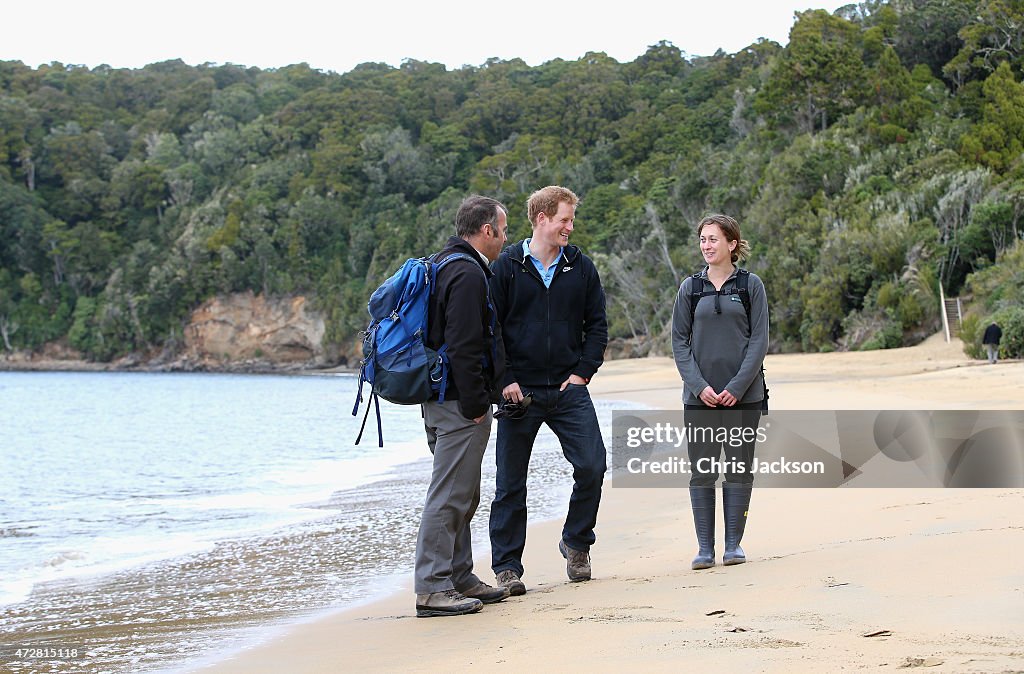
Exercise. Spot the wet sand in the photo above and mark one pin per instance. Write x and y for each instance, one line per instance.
(836, 578)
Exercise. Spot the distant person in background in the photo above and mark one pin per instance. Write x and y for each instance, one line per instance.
(458, 429)
(993, 333)
(719, 343)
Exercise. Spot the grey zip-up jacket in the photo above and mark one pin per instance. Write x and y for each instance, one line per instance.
(721, 349)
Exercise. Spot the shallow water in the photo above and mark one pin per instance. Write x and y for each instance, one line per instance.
(149, 520)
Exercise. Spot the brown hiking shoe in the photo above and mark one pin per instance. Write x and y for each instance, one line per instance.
(448, 602)
(486, 593)
(577, 562)
(510, 579)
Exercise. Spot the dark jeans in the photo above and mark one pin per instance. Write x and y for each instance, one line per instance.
(728, 430)
(571, 416)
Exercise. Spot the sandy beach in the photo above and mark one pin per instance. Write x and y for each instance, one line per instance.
(837, 579)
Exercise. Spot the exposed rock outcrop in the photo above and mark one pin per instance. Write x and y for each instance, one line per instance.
(241, 332)
(247, 327)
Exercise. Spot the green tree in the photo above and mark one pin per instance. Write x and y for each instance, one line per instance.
(820, 75)
(999, 140)
(892, 89)
(927, 30)
(994, 35)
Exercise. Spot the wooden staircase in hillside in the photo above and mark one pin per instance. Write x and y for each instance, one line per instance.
(952, 316)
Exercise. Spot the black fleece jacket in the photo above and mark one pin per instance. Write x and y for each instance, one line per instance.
(549, 333)
(459, 317)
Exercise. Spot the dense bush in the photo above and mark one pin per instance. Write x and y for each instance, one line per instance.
(1011, 321)
(872, 159)
(997, 298)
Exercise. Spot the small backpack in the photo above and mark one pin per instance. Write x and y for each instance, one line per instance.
(739, 288)
(397, 363)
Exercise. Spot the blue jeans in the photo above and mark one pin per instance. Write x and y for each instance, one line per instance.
(570, 414)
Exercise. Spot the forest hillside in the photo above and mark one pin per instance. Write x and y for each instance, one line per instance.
(873, 161)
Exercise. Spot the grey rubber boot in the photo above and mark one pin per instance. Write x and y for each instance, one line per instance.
(735, 503)
(702, 502)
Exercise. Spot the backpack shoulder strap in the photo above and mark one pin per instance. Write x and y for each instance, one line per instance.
(453, 256)
(696, 292)
(490, 305)
(436, 266)
(742, 289)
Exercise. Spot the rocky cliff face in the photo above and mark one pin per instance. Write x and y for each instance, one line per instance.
(229, 333)
(247, 327)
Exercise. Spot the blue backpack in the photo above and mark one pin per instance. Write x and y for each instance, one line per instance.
(397, 363)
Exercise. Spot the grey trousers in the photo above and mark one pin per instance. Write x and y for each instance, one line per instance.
(993, 352)
(444, 549)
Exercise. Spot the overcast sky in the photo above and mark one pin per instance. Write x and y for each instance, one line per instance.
(338, 35)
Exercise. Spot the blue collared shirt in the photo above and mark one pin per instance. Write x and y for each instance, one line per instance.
(545, 274)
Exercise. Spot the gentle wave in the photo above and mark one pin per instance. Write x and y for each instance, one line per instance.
(147, 467)
(264, 512)
(205, 505)
(12, 532)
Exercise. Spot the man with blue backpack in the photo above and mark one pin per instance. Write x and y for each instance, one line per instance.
(461, 323)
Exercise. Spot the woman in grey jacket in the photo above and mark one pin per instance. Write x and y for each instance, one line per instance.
(719, 340)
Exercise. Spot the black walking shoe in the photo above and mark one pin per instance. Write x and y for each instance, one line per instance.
(447, 602)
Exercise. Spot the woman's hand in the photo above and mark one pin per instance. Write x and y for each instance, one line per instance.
(709, 397)
(727, 399)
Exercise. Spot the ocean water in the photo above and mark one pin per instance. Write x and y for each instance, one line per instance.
(152, 521)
